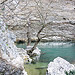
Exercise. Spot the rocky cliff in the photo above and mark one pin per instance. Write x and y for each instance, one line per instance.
(60, 18)
(11, 61)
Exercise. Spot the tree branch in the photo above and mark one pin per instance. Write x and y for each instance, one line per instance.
(3, 1)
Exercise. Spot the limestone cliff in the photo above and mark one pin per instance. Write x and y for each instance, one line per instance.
(60, 13)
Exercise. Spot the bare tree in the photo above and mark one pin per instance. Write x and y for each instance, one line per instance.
(41, 12)
(43, 17)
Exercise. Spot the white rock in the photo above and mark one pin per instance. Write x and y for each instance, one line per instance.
(24, 55)
(59, 66)
(8, 50)
(24, 72)
(37, 51)
(16, 61)
(11, 35)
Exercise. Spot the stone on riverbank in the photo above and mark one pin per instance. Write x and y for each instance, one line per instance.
(35, 54)
(59, 66)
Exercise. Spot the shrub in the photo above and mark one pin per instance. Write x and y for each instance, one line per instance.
(70, 73)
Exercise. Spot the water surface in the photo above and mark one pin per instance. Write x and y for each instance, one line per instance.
(52, 50)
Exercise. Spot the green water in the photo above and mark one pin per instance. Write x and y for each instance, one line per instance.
(50, 51)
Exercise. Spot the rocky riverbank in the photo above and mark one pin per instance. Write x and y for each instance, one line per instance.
(59, 66)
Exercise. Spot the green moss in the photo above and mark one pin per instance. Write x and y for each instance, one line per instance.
(6, 27)
(7, 44)
(2, 30)
(35, 69)
(0, 27)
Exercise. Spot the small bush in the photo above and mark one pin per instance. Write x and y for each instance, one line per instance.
(70, 73)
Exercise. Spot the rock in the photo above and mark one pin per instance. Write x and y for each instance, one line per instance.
(24, 55)
(59, 66)
(35, 54)
(37, 51)
(9, 52)
(7, 48)
(8, 69)
(11, 36)
(72, 22)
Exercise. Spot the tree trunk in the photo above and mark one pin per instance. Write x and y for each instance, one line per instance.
(28, 35)
(36, 43)
(38, 40)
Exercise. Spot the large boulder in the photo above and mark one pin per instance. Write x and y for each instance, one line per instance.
(59, 66)
(35, 55)
(8, 50)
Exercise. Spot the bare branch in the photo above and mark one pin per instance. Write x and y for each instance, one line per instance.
(41, 30)
(39, 11)
(3, 1)
(17, 14)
